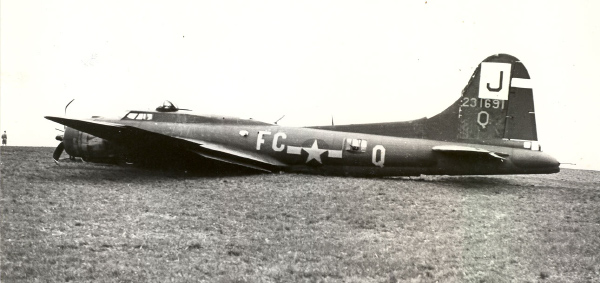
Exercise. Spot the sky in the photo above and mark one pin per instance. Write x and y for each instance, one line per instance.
(355, 61)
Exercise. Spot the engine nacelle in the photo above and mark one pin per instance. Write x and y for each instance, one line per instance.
(90, 148)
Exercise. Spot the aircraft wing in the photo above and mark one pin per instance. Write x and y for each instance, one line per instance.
(233, 156)
(470, 151)
(129, 135)
(105, 130)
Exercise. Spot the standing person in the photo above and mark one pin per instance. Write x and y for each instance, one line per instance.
(4, 139)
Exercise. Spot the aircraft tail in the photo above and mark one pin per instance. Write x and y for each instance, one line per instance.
(497, 103)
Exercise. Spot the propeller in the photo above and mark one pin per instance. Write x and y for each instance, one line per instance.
(68, 105)
(58, 151)
(61, 146)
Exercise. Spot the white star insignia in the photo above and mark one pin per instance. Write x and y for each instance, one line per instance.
(314, 152)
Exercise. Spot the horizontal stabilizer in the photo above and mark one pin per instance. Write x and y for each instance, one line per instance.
(469, 150)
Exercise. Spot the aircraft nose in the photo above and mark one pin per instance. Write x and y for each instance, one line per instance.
(536, 161)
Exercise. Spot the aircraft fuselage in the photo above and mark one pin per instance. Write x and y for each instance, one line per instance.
(329, 152)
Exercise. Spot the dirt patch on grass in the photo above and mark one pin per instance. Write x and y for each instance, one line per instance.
(90, 222)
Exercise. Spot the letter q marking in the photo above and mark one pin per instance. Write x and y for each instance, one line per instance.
(381, 160)
(487, 119)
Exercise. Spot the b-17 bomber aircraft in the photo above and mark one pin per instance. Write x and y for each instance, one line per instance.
(490, 129)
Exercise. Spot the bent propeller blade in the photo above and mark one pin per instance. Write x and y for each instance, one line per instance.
(58, 152)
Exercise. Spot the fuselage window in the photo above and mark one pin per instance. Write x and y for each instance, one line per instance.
(356, 145)
(139, 116)
(145, 116)
(533, 145)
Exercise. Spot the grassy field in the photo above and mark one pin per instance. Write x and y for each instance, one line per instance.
(88, 222)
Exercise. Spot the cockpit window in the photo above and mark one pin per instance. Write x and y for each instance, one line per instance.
(131, 115)
(138, 116)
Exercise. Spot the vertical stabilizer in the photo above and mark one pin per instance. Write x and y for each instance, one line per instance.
(497, 103)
